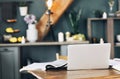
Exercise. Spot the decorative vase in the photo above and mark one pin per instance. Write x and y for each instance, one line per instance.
(32, 33)
(23, 10)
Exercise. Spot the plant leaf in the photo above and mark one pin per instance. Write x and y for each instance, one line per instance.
(71, 19)
(79, 15)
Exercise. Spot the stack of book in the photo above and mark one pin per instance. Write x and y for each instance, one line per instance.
(115, 63)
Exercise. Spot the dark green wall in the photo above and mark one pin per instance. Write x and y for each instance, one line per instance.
(38, 8)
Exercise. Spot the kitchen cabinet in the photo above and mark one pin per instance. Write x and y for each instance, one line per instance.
(9, 63)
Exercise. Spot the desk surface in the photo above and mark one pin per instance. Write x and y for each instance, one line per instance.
(79, 74)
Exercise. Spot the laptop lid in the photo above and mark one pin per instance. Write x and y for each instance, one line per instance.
(88, 56)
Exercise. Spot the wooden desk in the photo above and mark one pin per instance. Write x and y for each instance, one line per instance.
(80, 74)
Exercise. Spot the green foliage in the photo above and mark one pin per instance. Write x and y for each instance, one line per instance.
(23, 3)
(74, 18)
(98, 13)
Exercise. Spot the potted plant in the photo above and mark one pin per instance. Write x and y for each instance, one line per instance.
(23, 7)
(111, 4)
(98, 13)
(74, 19)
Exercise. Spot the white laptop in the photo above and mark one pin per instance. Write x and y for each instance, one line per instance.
(88, 56)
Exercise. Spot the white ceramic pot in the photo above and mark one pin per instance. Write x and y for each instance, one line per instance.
(23, 10)
(32, 33)
(118, 38)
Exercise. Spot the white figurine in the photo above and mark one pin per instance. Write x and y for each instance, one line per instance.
(60, 37)
(101, 41)
(23, 40)
(104, 15)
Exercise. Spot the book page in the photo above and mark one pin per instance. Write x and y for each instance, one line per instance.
(42, 66)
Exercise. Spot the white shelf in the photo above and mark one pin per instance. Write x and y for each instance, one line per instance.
(44, 43)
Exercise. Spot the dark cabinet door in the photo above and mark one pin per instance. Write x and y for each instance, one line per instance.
(9, 63)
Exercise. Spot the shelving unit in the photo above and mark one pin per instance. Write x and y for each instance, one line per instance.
(109, 30)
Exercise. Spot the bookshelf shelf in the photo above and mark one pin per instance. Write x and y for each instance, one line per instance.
(109, 31)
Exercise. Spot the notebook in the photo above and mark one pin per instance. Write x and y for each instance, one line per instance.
(88, 56)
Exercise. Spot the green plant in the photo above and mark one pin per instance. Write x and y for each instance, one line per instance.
(74, 18)
(98, 13)
(23, 3)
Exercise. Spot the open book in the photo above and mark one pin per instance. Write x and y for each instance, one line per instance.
(54, 65)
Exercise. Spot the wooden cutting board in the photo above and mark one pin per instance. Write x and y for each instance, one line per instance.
(58, 8)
